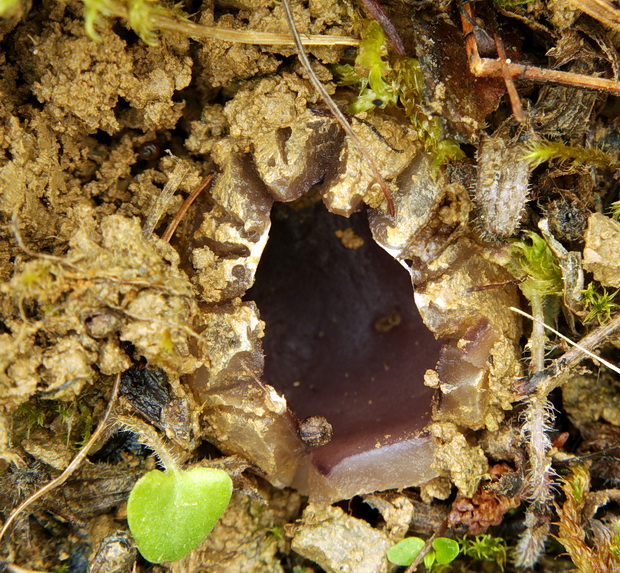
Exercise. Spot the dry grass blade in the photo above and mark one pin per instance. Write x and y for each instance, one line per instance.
(79, 458)
(201, 32)
(599, 337)
(245, 36)
(175, 179)
(602, 10)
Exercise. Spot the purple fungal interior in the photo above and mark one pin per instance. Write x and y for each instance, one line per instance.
(344, 340)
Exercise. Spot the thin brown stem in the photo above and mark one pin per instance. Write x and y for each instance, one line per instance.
(378, 13)
(497, 68)
(186, 205)
(515, 100)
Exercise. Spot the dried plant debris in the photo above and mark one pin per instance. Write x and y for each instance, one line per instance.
(279, 326)
(593, 544)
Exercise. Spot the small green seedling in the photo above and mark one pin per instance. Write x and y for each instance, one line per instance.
(600, 306)
(170, 513)
(444, 551)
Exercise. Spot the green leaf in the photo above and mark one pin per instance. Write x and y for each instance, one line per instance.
(445, 549)
(405, 551)
(429, 559)
(169, 514)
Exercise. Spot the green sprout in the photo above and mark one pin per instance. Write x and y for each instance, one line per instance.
(382, 85)
(615, 540)
(171, 513)
(276, 532)
(544, 150)
(444, 551)
(534, 259)
(75, 415)
(31, 415)
(599, 306)
(485, 548)
(614, 210)
(512, 3)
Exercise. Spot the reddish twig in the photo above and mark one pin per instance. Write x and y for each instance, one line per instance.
(303, 58)
(497, 68)
(186, 205)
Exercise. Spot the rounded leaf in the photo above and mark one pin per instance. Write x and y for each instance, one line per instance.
(169, 514)
(446, 550)
(405, 551)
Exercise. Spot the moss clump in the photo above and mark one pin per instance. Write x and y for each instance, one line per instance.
(600, 306)
(388, 82)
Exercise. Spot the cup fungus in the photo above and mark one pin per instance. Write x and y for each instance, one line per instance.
(330, 328)
(344, 340)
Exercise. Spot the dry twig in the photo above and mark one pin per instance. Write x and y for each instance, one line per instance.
(186, 205)
(497, 68)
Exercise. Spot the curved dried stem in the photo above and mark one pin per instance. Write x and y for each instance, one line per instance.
(186, 205)
(342, 120)
(77, 460)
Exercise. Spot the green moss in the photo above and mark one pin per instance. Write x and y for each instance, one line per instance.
(389, 82)
(485, 548)
(29, 415)
(533, 258)
(544, 150)
(599, 306)
(512, 3)
(614, 210)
